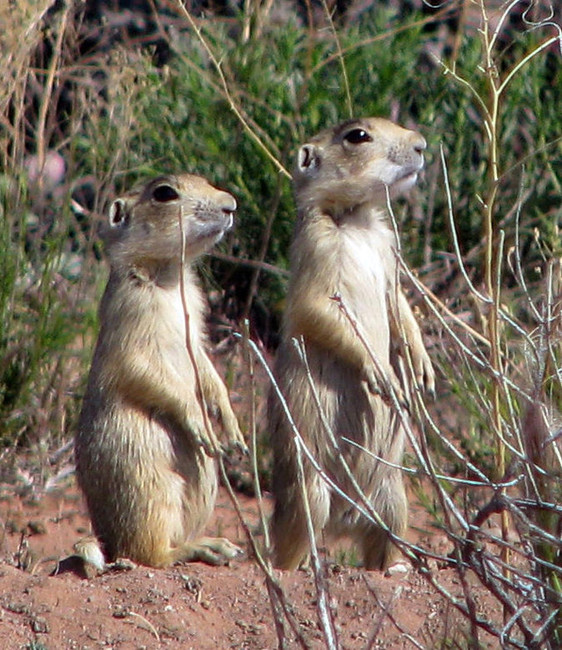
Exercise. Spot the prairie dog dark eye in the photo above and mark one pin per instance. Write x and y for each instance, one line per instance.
(357, 136)
(164, 193)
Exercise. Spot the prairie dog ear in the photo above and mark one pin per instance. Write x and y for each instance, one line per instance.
(308, 158)
(118, 214)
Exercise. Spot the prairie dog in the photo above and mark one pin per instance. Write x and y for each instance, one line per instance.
(141, 445)
(343, 244)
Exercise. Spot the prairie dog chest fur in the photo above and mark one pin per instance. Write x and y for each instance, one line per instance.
(367, 255)
(140, 310)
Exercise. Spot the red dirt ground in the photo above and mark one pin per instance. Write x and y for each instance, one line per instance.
(200, 607)
(197, 606)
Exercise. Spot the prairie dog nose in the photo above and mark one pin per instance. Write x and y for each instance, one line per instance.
(419, 144)
(228, 203)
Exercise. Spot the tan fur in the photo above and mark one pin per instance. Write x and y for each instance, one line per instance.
(141, 462)
(343, 244)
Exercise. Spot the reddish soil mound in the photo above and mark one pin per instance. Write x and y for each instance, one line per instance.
(195, 606)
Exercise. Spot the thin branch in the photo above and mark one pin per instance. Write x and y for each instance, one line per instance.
(280, 167)
(341, 59)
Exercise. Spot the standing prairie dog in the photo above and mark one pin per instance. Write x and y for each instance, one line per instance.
(141, 444)
(344, 245)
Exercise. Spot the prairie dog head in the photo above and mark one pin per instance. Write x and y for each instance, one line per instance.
(354, 162)
(144, 224)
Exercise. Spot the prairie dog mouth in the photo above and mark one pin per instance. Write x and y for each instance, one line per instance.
(412, 170)
(404, 183)
(229, 220)
(407, 178)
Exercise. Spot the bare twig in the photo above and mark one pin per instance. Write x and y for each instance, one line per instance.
(234, 107)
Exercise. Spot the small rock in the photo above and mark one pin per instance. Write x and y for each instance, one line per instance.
(400, 568)
(39, 625)
(36, 527)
